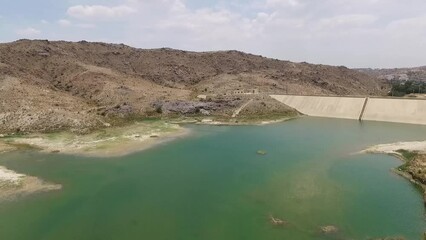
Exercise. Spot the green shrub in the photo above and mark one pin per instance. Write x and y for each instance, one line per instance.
(408, 155)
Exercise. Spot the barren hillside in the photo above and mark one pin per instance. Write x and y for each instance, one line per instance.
(402, 74)
(48, 85)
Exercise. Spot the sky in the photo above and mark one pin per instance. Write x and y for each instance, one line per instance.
(353, 33)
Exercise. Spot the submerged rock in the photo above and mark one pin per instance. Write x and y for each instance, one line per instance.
(276, 221)
(390, 238)
(329, 229)
(261, 152)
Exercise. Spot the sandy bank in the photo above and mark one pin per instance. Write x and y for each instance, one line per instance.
(109, 142)
(243, 122)
(13, 185)
(392, 148)
(4, 147)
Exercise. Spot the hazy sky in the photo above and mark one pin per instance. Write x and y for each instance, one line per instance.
(355, 33)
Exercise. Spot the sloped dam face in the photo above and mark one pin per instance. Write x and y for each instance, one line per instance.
(214, 185)
(397, 110)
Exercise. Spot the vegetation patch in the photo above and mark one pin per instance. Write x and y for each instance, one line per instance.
(408, 157)
(400, 89)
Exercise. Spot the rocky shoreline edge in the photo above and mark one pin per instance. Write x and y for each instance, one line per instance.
(108, 142)
(412, 154)
(102, 143)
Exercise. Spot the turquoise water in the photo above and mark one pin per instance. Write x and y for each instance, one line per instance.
(213, 185)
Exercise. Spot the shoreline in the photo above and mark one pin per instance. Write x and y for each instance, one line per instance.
(108, 142)
(120, 140)
(134, 146)
(244, 122)
(14, 185)
(104, 143)
(412, 154)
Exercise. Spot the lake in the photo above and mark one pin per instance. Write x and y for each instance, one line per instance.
(213, 185)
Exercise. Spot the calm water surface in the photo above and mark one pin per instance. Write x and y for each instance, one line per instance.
(213, 185)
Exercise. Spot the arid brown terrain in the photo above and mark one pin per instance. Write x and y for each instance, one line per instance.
(47, 86)
(398, 74)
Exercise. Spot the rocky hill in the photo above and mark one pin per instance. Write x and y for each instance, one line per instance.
(46, 86)
(417, 74)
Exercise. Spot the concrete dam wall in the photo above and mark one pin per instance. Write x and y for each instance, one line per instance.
(335, 107)
(411, 111)
(396, 110)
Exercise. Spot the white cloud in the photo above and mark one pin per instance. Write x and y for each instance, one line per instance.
(351, 20)
(176, 5)
(194, 29)
(28, 32)
(418, 23)
(99, 12)
(68, 23)
(85, 25)
(283, 3)
(64, 23)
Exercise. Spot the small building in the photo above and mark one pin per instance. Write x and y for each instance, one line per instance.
(206, 96)
(245, 91)
(202, 97)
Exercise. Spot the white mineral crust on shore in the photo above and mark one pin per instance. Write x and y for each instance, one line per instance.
(14, 184)
(10, 177)
(418, 146)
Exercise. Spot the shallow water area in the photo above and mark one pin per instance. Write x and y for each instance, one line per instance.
(214, 185)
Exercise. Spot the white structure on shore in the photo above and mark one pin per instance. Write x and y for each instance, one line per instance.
(245, 91)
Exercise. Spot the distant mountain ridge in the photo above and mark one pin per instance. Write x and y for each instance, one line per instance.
(402, 74)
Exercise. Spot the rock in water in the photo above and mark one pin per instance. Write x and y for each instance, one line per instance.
(390, 238)
(329, 229)
(277, 221)
(261, 152)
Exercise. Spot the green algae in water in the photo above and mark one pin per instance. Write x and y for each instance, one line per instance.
(211, 186)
